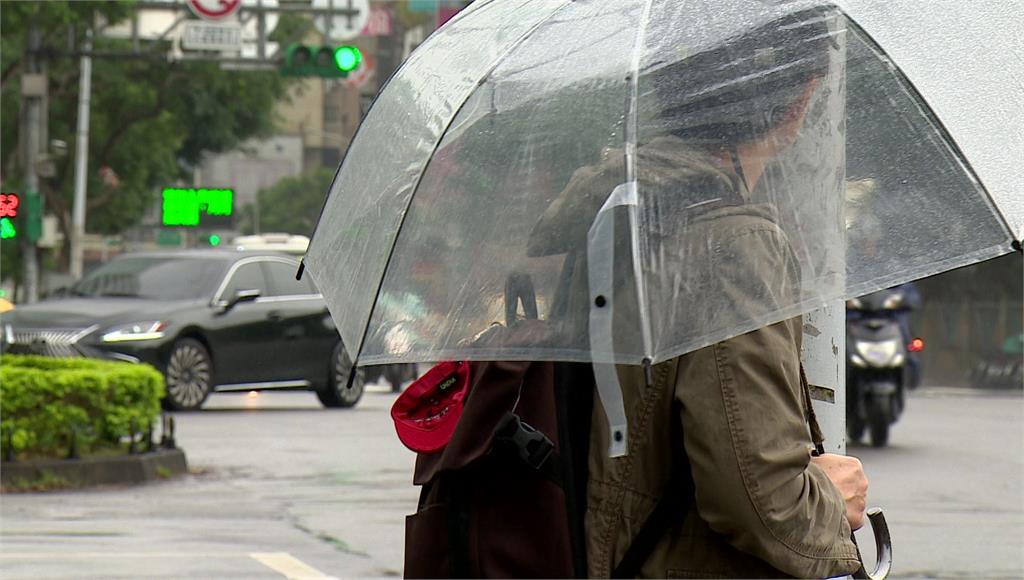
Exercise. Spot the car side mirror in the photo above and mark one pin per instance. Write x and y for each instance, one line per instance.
(239, 297)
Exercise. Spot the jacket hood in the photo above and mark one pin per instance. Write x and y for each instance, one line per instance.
(672, 177)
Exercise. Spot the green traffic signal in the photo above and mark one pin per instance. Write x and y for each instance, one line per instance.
(7, 229)
(347, 58)
(321, 61)
(214, 240)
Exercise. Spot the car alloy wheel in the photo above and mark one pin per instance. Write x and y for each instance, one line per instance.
(188, 377)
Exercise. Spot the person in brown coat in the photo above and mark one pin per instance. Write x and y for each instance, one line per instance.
(732, 417)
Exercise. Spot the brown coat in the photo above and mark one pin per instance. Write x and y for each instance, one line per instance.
(761, 509)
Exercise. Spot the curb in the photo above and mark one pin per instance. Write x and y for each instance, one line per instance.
(89, 472)
(940, 391)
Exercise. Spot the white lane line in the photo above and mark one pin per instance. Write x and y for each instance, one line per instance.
(291, 567)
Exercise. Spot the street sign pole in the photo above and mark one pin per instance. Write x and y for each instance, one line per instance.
(33, 88)
(81, 162)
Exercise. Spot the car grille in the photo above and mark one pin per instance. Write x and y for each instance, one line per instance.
(56, 342)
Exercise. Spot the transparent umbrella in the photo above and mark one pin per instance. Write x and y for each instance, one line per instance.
(590, 164)
(642, 178)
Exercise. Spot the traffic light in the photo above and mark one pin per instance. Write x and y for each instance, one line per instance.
(9, 203)
(213, 240)
(326, 61)
(21, 213)
(7, 229)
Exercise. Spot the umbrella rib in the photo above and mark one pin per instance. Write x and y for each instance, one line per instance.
(630, 134)
(440, 139)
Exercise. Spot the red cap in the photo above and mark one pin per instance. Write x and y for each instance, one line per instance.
(427, 412)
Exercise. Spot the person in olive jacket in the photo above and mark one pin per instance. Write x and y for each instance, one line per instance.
(734, 414)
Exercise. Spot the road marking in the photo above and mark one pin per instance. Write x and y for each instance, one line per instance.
(288, 565)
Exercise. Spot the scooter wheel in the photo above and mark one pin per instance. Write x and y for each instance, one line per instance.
(879, 411)
(854, 430)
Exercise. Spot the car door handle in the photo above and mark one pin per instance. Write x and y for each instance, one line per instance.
(274, 316)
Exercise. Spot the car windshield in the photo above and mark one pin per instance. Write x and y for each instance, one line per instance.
(156, 277)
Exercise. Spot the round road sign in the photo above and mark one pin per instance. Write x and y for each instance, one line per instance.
(342, 27)
(214, 9)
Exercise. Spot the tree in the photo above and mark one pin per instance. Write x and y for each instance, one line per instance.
(151, 120)
(292, 205)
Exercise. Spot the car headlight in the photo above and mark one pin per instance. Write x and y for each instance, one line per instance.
(893, 302)
(149, 330)
(854, 304)
(879, 354)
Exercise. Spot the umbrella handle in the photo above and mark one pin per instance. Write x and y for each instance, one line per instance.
(883, 545)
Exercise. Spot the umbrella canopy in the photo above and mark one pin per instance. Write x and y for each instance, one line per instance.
(555, 157)
(966, 60)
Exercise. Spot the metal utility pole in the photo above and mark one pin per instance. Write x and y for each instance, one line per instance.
(824, 356)
(81, 159)
(33, 88)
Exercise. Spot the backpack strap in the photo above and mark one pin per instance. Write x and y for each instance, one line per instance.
(574, 403)
(672, 507)
(812, 420)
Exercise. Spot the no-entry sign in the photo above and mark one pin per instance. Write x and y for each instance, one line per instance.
(214, 9)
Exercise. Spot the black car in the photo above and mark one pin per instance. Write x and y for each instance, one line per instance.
(210, 320)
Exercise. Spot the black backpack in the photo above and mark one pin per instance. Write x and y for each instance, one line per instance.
(506, 496)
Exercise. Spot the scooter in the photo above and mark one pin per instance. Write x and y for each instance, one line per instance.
(876, 365)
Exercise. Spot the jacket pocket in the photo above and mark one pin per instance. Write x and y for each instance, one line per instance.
(426, 543)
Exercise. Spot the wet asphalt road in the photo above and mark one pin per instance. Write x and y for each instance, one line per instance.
(283, 488)
(325, 490)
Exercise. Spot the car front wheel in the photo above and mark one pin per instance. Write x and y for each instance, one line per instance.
(189, 376)
(345, 384)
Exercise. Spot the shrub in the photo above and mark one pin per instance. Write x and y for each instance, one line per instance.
(44, 399)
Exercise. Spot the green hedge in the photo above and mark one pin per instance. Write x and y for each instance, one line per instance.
(43, 399)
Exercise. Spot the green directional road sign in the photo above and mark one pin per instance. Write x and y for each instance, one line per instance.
(33, 224)
(197, 206)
